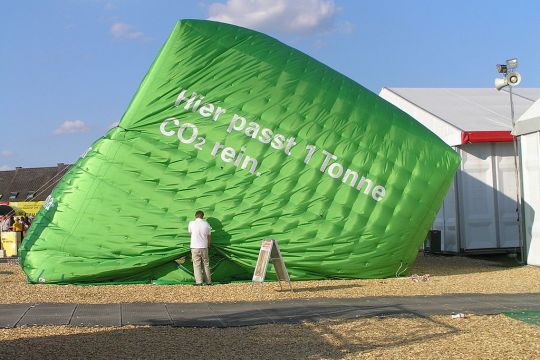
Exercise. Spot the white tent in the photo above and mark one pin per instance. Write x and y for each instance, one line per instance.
(479, 212)
(527, 129)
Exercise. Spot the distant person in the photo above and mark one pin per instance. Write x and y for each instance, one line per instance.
(18, 225)
(4, 223)
(26, 225)
(201, 239)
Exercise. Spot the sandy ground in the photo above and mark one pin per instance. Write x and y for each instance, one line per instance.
(397, 337)
(406, 337)
(447, 275)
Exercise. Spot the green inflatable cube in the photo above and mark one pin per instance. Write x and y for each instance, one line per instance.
(269, 143)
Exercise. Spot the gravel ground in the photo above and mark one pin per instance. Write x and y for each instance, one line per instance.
(447, 275)
(407, 337)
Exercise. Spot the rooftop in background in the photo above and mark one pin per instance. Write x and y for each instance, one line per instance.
(530, 120)
(30, 184)
(452, 112)
(471, 109)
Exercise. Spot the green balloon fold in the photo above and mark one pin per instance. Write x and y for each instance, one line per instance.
(269, 143)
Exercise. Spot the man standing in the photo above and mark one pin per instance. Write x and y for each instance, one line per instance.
(200, 242)
(6, 224)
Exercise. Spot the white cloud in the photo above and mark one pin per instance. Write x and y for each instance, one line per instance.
(5, 167)
(281, 16)
(72, 127)
(110, 6)
(347, 27)
(6, 153)
(123, 31)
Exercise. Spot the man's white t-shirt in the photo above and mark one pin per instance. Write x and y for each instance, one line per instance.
(5, 224)
(199, 230)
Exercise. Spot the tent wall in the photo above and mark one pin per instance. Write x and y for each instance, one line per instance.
(530, 161)
(479, 211)
(447, 222)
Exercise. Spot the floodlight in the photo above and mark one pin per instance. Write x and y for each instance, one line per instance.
(502, 69)
(512, 63)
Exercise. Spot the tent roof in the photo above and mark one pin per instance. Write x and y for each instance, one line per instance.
(530, 120)
(470, 109)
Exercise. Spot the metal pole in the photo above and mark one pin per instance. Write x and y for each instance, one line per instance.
(511, 107)
(518, 187)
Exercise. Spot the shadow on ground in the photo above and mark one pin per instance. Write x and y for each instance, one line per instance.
(331, 340)
(448, 265)
(319, 288)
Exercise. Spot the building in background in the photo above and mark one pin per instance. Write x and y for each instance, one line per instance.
(25, 189)
(479, 213)
(527, 130)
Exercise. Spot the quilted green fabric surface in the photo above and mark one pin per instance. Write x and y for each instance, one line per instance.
(269, 143)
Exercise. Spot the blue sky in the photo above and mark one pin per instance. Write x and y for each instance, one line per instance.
(69, 68)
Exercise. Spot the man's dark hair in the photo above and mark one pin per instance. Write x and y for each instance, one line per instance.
(199, 214)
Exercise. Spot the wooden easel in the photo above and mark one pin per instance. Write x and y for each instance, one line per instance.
(270, 251)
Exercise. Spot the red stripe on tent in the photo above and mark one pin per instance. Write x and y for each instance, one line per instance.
(469, 137)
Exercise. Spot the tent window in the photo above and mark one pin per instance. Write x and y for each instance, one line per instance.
(30, 195)
(13, 195)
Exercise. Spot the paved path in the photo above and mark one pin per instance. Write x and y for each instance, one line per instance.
(257, 313)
